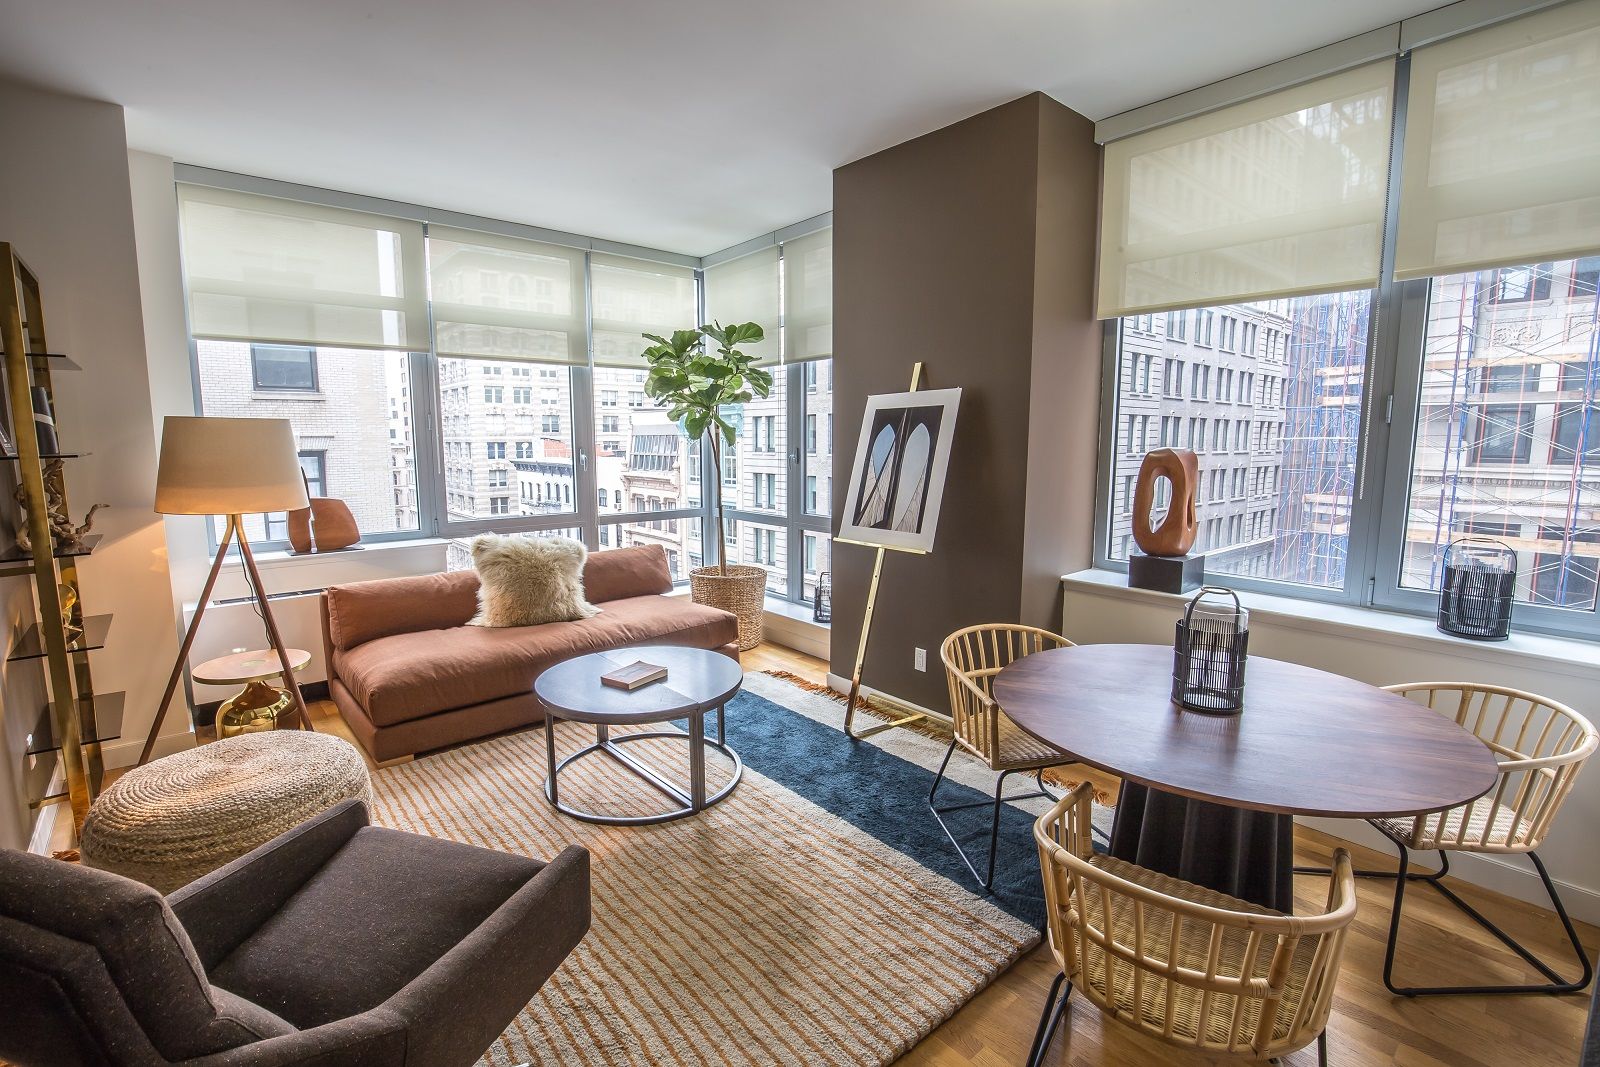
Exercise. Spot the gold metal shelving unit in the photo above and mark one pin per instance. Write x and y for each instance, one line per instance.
(75, 720)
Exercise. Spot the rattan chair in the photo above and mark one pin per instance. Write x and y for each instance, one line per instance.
(972, 657)
(1541, 745)
(1181, 963)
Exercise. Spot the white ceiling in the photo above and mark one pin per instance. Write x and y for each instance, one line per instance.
(686, 125)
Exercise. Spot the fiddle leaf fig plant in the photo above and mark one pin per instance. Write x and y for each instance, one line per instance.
(700, 374)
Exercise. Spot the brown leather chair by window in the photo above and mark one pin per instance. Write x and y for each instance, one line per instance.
(1541, 746)
(972, 657)
(337, 944)
(1181, 963)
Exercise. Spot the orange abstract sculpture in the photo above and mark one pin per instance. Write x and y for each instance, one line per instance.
(1176, 534)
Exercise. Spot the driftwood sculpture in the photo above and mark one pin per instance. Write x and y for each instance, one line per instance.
(65, 537)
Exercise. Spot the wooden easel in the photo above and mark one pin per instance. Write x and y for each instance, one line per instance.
(866, 620)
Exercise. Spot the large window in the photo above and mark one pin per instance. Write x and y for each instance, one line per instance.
(1372, 357)
(1507, 439)
(776, 478)
(491, 446)
(355, 426)
(1277, 438)
(484, 381)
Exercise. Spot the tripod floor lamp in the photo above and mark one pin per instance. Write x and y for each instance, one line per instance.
(231, 467)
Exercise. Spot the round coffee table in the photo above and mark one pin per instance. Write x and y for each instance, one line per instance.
(697, 681)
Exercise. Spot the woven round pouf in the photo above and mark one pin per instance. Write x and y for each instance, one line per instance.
(182, 816)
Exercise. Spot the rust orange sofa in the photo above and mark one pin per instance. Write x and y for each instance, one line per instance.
(409, 675)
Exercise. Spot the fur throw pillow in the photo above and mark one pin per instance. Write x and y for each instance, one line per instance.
(524, 581)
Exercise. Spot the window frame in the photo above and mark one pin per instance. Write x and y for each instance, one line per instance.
(1384, 465)
(1388, 592)
(257, 385)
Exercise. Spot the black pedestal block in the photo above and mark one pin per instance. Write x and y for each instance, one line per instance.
(1166, 574)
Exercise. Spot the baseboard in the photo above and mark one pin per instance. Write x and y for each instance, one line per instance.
(125, 753)
(1513, 876)
(45, 829)
(841, 685)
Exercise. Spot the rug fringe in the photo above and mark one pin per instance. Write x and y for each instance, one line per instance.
(925, 727)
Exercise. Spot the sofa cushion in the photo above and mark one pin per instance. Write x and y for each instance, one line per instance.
(330, 953)
(407, 676)
(626, 572)
(365, 611)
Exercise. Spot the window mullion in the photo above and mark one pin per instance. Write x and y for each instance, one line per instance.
(427, 442)
(796, 504)
(1370, 510)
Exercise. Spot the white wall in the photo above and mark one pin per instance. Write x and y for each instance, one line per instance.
(65, 205)
(1383, 649)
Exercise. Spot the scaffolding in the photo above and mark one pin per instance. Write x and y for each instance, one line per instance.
(1507, 440)
(1324, 381)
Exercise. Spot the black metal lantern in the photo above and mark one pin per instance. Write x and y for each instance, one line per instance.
(1209, 653)
(822, 602)
(1479, 588)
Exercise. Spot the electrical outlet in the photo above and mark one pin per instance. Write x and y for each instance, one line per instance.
(919, 658)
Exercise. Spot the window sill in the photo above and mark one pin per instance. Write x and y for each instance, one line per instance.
(287, 394)
(1559, 654)
(281, 558)
(788, 609)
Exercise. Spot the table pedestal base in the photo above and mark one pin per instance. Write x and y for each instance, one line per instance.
(1246, 854)
(692, 802)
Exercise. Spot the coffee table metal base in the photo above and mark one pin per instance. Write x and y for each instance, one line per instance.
(693, 802)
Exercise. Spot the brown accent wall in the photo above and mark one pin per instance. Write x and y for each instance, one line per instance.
(971, 249)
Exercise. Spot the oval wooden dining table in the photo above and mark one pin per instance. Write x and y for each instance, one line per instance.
(1212, 798)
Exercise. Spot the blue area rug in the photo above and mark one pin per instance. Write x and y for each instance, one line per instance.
(886, 796)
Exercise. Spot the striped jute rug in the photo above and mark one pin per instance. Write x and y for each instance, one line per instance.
(764, 931)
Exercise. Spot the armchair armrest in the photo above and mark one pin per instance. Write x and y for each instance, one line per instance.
(458, 1007)
(222, 909)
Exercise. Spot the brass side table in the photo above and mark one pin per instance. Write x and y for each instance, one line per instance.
(256, 707)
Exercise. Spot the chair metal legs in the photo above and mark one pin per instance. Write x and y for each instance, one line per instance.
(1049, 1018)
(1404, 874)
(1557, 983)
(987, 881)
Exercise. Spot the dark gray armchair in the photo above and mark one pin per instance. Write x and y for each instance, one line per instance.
(337, 944)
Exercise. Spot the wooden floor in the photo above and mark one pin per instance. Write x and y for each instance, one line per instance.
(1369, 1028)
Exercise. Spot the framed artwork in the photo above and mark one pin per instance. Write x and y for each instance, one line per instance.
(897, 480)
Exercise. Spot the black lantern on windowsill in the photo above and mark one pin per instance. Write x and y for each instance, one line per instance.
(1208, 656)
(1479, 588)
(822, 604)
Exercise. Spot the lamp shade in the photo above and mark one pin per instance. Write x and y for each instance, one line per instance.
(217, 466)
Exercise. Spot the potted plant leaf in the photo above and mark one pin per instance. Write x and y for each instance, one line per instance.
(699, 375)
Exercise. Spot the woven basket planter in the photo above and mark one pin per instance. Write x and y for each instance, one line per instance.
(742, 591)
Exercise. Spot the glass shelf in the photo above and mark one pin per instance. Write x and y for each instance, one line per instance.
(108, 708)
(95, 628)
(16, 555)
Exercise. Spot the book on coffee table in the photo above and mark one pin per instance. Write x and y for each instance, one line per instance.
(634, 675)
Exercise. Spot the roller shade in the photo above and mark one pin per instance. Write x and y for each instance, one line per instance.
(633, 297)
(746, 290)
(808, 297)
(506, 298)
(1276, 196)
(265, 269)
(1502, 146)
